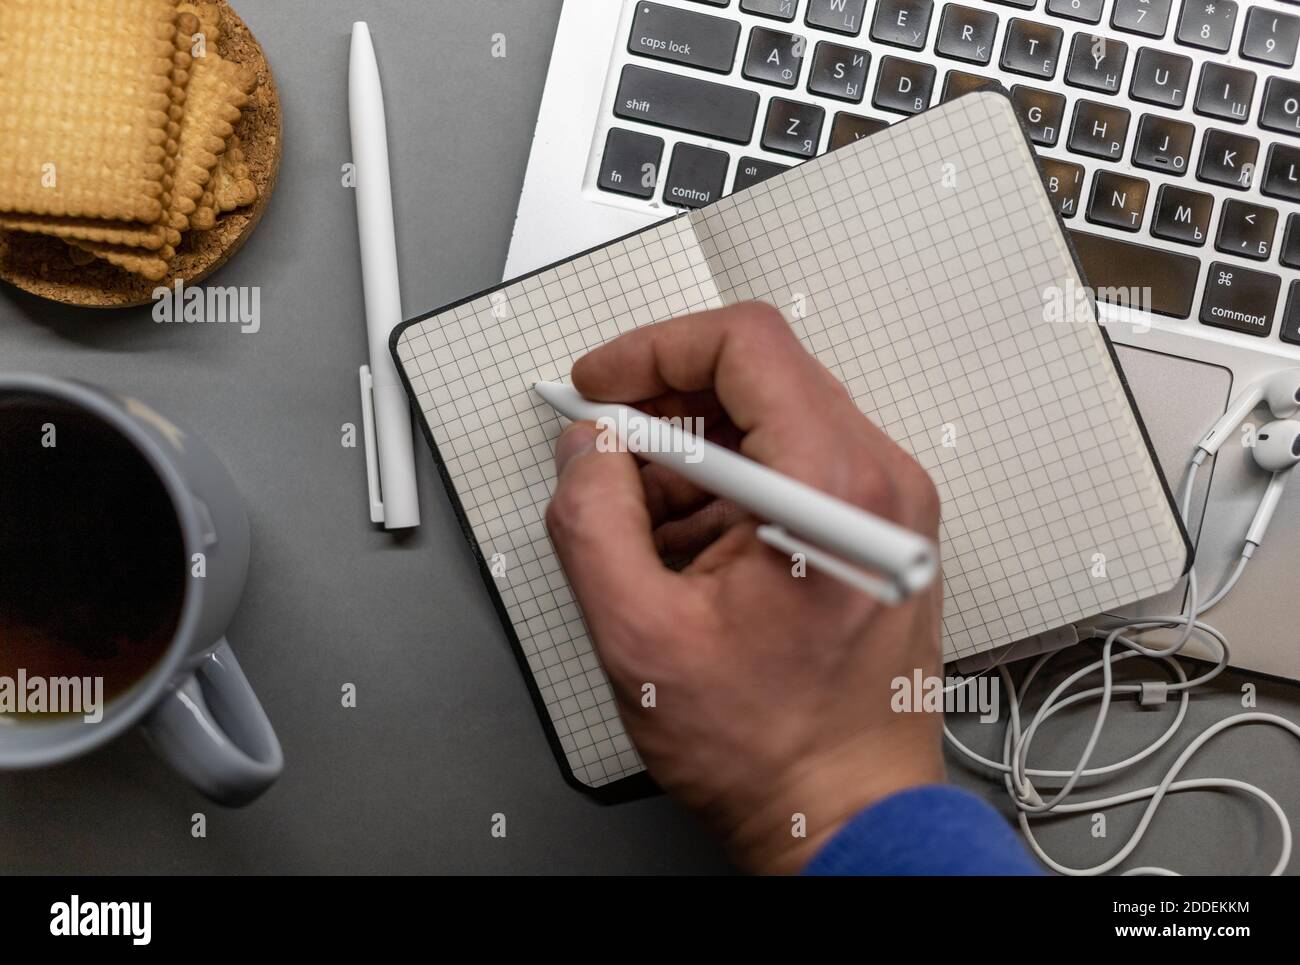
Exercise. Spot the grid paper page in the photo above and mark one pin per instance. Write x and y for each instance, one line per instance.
(924, 295)
(924, 299)
(471, 372)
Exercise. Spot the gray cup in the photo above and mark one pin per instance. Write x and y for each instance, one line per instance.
(194, 703)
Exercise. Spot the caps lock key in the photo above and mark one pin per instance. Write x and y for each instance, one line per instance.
(684, 37)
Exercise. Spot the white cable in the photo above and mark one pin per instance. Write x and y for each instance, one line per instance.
(1019, 777)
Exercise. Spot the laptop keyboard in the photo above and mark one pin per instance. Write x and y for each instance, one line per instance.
(1169, 132)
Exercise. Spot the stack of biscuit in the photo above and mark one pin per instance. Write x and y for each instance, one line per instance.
(117, 127)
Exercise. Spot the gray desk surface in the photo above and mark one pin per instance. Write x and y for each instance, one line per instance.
(444, 734)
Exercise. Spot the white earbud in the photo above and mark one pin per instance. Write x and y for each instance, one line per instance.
(1281, 391)
(1276, 450)
(1277, 445)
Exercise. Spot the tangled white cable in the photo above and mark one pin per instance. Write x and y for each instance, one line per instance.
(1277, 450)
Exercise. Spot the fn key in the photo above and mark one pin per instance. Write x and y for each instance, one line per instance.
(631, 163)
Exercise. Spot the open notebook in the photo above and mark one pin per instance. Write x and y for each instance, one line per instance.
(914, 263)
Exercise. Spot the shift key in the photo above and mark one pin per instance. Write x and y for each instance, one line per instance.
(686, 104)
(684, 37)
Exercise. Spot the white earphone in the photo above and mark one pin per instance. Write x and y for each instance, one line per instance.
(1277, 444)
(1276, 449)
(1282, 393)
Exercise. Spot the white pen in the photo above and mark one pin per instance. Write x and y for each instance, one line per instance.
(386, 413)
(833, 535)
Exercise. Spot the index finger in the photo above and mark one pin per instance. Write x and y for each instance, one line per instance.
(747, 354)
(792, 411)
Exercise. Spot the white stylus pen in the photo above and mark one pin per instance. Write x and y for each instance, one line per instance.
(386, 413)
(834, 536)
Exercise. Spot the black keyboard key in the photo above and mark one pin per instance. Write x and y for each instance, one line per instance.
(1291, 317)
(1281, 108)
(1064, 181)
(776, 9)
(1032, 48)
(1022, 4)
(1088, 11)
(793, 128)
(1167, 279)
(1246, 230)
(1290, 255)
(902, 23)
(903, 86)
(1282, 173)
(959, 82)
(715, 3)
(1182, 215)
(630, 164)
(966, 34)
(1042, 111)
(838, 71)
(1118, 201)
(838, 16)
(1228, 159)
(686, 104)
(1150, 18)
(1096, 63)
(696, 176)
(1225, 92)
(1099, 130)
(1240, 299)
(1163, 144)
(848, 128)
(751, 170)
(1207, 24)
(1160, 77)
(774, 57)
(684, 37)
(1270, 37)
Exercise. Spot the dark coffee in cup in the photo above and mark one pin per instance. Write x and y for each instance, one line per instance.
(92, 560)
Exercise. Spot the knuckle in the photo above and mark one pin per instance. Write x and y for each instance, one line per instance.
(564, 514)
(876, 489)
(766, 319)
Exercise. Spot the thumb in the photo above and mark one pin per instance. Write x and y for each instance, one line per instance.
(601, 529)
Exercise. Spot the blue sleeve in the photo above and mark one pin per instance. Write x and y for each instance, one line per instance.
(935, 830)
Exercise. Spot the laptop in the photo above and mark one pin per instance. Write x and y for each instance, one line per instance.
(1169, 136)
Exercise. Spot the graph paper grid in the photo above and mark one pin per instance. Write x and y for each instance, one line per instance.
(914, 264)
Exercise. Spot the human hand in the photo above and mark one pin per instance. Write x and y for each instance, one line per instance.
(772, 691)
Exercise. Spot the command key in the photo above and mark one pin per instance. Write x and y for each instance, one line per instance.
(1240, 299)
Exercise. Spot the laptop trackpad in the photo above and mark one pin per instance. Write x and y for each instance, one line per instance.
(1179, 400)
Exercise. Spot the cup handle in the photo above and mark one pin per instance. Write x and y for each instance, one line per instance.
(217, 735)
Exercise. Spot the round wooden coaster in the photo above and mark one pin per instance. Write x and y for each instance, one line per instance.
(42, 266)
